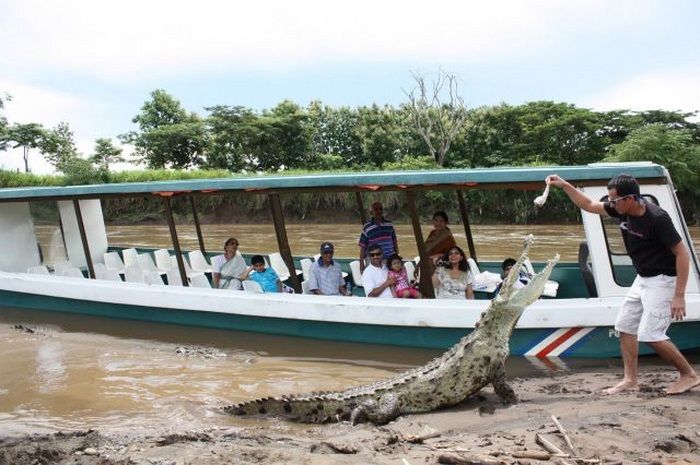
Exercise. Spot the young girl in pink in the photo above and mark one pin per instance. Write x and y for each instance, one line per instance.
(398, 271)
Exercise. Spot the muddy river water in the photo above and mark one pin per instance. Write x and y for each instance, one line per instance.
(75, 372)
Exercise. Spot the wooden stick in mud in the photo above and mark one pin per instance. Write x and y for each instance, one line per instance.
(561, 429)
(548, 446)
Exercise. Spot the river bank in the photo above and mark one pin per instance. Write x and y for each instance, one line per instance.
(640, 427)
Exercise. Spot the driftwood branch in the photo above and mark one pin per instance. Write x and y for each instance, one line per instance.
(561, 429)
(548, 446)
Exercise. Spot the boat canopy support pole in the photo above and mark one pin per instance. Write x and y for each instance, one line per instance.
(83, 238)
(426, 285)
(465, 221)
(282, 240)
(361, 208)
(176, 242)
(195, 216)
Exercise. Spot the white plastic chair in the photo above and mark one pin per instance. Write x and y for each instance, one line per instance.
(356, 273)
(131, 257)
(473, 267)
(188, 270)
(305, 267)
(104, 273)
(277, 264)
(146, 263)
(153, 277)
(252, 286)
(305, 287)
(134, 274)
(39, 269)
(114, 262)
(174, 278)
(198, 262)
(163, 261)
(200, 280)
(70, 272)
(410, 270)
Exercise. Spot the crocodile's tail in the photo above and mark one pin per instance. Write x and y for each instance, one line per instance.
(313, 408)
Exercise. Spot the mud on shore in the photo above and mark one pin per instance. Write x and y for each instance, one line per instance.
(566, 412)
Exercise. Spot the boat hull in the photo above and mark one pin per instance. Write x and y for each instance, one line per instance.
(360, 320)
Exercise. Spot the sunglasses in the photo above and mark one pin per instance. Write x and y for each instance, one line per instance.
(375, 254)
(614, 202)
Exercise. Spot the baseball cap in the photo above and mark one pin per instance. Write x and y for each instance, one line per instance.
(326, 247)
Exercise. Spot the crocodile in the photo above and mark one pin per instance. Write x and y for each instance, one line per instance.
(476, 361)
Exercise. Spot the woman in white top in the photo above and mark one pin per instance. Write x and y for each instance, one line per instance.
(452, 280)
(229, 268)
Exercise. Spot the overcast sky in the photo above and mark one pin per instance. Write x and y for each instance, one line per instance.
(93, 64)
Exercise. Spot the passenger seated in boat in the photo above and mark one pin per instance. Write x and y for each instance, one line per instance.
(266, 277)
(326, 275)
(402, 288)
(506, 266)
(375, 279)
(438, 242)
(452, 280)
(229, 269)
(523, 277)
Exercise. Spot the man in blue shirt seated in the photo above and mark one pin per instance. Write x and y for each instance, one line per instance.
(266, 277)
(325, 275)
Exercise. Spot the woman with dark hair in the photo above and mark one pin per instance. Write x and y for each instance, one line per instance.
(453, 281)
(440, 238)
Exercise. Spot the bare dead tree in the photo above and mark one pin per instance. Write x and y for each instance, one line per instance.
(438, 115)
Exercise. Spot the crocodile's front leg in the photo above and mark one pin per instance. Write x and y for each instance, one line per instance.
(379, 413)
(500, 385)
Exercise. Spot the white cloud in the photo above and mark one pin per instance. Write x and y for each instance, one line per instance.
(132, 38)
(666, 90)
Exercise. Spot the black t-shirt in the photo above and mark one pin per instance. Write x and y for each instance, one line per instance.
(648, 239)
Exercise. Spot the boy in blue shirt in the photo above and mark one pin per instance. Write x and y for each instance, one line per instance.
(266, 277)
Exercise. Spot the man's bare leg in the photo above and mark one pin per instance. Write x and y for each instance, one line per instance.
(630, 351)
(688, 378)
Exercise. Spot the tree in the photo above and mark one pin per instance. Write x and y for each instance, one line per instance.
(378, 134)
(106, 154)
(436, 121)
(58, 146)
(232, 132)
(334, 133)
(169, 137)
(28, 136)
(675, 149)
(3, 121)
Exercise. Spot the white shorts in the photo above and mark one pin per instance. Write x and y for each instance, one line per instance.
(646, 310)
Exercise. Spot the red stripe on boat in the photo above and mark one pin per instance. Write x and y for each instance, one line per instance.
(544, 352)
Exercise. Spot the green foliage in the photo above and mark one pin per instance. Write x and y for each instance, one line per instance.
(78, 171)
(28, 136)
(676, 149)
(106, 154)
(16, 179)
(58, 146)
(169, 137)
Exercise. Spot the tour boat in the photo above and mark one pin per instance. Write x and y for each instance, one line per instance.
(574, 318)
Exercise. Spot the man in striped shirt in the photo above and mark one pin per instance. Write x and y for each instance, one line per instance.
(378, 231)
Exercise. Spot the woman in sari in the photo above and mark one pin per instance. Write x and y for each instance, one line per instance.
(440, 239)
(229, 268)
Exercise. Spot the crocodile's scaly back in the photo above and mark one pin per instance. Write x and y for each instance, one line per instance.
(477, 360)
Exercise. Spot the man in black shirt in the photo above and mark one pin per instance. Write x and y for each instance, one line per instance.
(657, 295)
